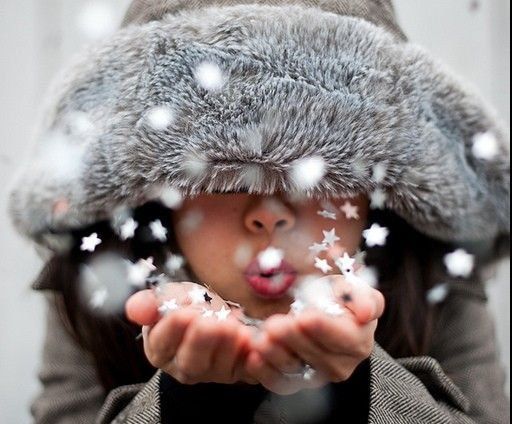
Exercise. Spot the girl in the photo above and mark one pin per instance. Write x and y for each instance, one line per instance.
(320, 156)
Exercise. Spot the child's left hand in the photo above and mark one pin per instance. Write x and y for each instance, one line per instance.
(332, 346)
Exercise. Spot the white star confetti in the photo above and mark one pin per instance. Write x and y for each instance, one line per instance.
(223, 314)
(98, 298)
(351, 211)
(197, 295)
(270, 258)
(90, 243)
(345, 264)
(330, 237)
(379, 172)
(317, 248)
(158, 230)
(140, 271)
(174, 263)
(437, 294)
(127, 230)
(168, 306)
(334, 309)
(171, 197)
(160, 117)
(96, 20)
(207, 313)
(209, 76)
(376, 235)
(459, 263)
(378, 199)
(485, 146)
(322, 265)
(308, 172)
(327, 214)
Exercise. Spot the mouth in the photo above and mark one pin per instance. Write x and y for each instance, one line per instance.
(273, 283)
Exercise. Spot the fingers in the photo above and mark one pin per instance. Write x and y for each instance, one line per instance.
(366, 303)
(142, 308)
(277, 355)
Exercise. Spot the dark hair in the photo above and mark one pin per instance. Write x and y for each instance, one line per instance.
(408, 266)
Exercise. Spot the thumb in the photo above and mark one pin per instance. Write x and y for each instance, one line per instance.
(142, 308)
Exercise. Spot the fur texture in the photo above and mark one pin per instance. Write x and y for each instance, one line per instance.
(301, 82)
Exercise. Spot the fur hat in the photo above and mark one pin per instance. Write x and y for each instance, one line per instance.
(334, 80)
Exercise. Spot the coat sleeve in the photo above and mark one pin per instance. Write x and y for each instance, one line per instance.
(461, 381)
(71, 392)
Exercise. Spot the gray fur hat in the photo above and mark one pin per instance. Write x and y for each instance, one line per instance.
(209, 96)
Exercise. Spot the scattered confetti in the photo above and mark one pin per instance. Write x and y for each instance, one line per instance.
(297, 307)
(207, 313)
(96, 20)
(171, 197)
(140, 271)
(485, 146)
(346, 298)
(158, 230)
(197, 295)
(322, 265)
(345, 264)
(159, 117)
(437, 294)
(334, 309)
(209, 76)
(330, 237)
(207, 298)
(90, 243)
(327, 214)
(270, 258)
(459, 263)
(351, 211)
(191, 221)
(308, 373)
(223, 314)
(174, 263)
(307, 173)
(317, 248)
(168, 306)
(376, 235)
(379, 172)
(369, 275)
(378, 199)
(98, 298)
(243, 255)
(127, 230)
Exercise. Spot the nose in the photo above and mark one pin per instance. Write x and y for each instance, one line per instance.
(269, 216)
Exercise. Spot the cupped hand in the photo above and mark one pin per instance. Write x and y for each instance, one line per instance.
(190, 343)
(333, 346)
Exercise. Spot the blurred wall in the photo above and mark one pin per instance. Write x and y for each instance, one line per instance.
(37, 36)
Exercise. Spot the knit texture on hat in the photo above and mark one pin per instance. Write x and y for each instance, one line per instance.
(299, 82)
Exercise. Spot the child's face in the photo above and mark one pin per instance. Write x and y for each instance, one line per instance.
(222, 234)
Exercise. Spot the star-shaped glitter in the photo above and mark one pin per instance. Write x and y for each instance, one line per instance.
(351, 211)
(298, 306)
(127, 230)
(317, 248)
(437, 294)
(345, 264)
(207, 297)
(334, 309)
(197, 295)
(223, 314)
(379, 172)
(90, 243)
(330, 237)
(378, 199)
(98, 298)
(346, 297)
(207, 313)
(158, 230)
(168, 306)
(140, 271)
(485, 146)
(270, 258)
(459, 263)
(327, 214)
(174, 263)
(322, 265)
(376, 235)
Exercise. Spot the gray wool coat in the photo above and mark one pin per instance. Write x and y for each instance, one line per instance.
(460, 381)
(335, 79)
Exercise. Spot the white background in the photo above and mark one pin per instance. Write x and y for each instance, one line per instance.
(38, 36)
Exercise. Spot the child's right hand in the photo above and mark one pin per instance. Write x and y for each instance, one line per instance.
(187, 345)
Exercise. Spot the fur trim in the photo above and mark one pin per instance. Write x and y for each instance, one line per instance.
(299, 83)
